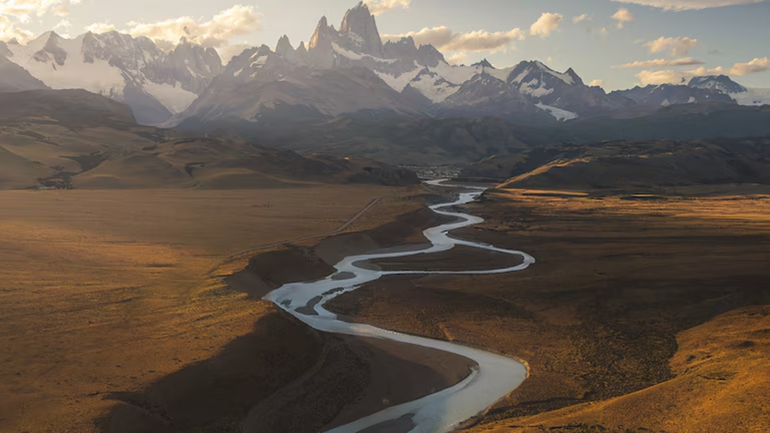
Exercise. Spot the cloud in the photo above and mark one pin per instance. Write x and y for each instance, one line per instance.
(481, 40)
(670, 76)
(596, 83)
(61, 11)
(13, 12)
(237, 21)
(227, 52)
(63, 24)
(444, 39)
(753, 67)
(24, 9)
(647, 77)
(100, 28)
(623, 16)
(546, 24)
(9, 31)
(377, 7)
(455, 59)
(436, 36)
(687, 61)
(581, 18)
(683, 5)
(675, 46)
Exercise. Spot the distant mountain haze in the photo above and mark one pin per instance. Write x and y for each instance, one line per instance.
(347, 71)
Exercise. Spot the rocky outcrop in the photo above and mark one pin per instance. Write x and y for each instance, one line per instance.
(360, 22)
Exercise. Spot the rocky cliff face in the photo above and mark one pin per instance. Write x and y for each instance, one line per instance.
(360, 22)
(154, 83)
(14, 78)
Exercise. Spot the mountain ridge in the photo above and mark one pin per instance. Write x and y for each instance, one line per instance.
(190, 84)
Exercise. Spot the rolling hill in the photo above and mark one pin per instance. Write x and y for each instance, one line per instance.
(631, 166)
(76, 139)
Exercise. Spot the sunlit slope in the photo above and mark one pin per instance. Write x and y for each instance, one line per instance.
(721, 383)
(631, 166)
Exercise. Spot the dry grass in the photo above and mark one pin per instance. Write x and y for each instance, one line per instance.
(600, 316)
(105, 291)
(721, 385)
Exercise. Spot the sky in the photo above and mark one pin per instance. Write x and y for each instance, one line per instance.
(613, 43)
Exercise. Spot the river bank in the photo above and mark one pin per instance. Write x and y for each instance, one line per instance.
(600, 315)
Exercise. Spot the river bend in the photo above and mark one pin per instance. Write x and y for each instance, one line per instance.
(494, 378)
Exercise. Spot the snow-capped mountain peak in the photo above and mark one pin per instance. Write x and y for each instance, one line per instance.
(720, 83)
(484, 64)
(154, 83)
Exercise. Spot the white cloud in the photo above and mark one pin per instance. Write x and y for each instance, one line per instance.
(674, 46)
(546, 24)
(596, 83)
(14, 12)
(63, 24)
(682, 5)
(623, 16)
(581, 18)
(100, 27)
(436, 36)
(753, 67)
(377, 7)
(24, 9)
(687, 61)
(9, 31)
(237, 21)
(669, 76)
(444, 39)
(647, 77)
(482, 40)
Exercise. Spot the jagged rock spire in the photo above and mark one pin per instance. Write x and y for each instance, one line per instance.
(361, 22)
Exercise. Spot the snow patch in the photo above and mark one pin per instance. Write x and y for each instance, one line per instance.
(536, 92)
(521, 77)
(665, 103)
(173, 97)
(564, 77)
(399, 83)
(355, 56)
(434, 88)
(558, 113)
(261, 60)
(346, 53)
(97, 77)
(456, 74)
(500, 74)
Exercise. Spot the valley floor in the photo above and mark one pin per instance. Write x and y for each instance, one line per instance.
(104, 294)
(641, 314)
(124, 311)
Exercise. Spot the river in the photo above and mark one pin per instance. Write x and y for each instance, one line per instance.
(494, 378)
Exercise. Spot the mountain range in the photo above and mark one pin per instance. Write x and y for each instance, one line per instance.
(345, 71)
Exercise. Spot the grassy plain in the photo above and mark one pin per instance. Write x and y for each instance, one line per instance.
(641, 312)
(105, 292)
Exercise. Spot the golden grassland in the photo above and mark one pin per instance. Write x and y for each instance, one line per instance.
(107, 291)
(641, 312)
